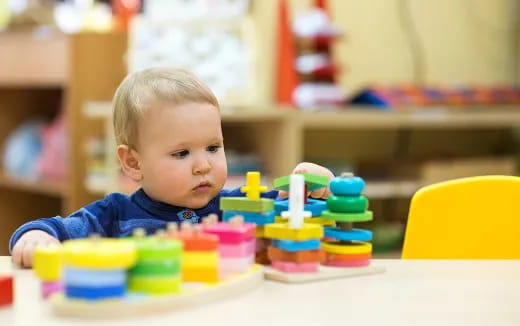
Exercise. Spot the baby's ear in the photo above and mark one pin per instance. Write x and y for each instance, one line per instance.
(129, 160)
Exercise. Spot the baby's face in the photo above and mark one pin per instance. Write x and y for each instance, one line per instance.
(181, 154)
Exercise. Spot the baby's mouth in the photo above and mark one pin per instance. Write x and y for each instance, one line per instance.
(202, 187)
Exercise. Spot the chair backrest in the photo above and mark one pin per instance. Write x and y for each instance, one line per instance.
(468, 218)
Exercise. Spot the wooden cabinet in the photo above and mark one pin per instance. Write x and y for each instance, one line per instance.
(41, 73)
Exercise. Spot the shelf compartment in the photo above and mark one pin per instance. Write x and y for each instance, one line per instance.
(44, 187)
(19, 66)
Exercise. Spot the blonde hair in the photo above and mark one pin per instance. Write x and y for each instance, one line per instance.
(140, 90)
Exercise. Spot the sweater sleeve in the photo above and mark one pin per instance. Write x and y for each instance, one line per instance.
(97, 217)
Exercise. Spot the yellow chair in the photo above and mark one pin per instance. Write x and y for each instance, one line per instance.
(468, 218)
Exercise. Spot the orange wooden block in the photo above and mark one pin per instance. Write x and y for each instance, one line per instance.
(198, 241)
(200, 274)
(303, 256)
(347, 257)
(261, 258)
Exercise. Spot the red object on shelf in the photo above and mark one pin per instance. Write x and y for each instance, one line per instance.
(286, 76)
(328, 71)
(124, 10)
(6, 290)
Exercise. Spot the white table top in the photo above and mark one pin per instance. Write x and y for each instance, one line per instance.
(410, 292)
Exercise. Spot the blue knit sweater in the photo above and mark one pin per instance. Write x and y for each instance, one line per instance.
(117, 215)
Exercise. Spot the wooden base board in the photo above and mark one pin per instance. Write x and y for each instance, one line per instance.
(134, 305)
(325, 273)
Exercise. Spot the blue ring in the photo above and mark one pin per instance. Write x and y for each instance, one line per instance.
(95, 293)
(93, 278)
(354, 235)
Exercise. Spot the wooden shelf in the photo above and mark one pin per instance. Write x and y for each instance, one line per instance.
(363, 117)
(34, 58)
(49, 188)
(358, 117)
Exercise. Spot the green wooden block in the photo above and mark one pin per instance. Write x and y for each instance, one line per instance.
(246, 205)
(347, 217)
(313, 182)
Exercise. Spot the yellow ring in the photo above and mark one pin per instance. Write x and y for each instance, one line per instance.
(99, 253)
(357, 247)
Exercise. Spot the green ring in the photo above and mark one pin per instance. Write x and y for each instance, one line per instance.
(348, 217)
(159, 268)
(154, 285)
(347, 204)
(157, 249)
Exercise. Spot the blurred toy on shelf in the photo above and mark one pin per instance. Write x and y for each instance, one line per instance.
(306, 71)
(23, 147)
(402, 96)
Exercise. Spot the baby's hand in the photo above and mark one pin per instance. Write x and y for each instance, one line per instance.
(24, 248)
(306, 167)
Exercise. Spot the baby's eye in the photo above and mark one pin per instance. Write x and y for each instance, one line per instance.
(213, 148)
(180, 154)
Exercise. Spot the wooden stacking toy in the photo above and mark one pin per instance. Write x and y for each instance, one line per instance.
(346, 206)
(252, 208)
(47, 262)
(95, 269)
(236, 243)
(200, 255)
(296, 244)
(158, 267)
(314, 206)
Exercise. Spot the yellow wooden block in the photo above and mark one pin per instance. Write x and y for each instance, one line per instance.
(200, 274)
(193, 259)
(312, 220)
(356, 247)
(47, 263)
(282, 231)
(253, 187)
(99, 253)
(260, 232)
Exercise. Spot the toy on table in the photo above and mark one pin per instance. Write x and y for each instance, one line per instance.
(296, 246)
(351, 250)
(106, 278)
(236, 243)
(158, 266)
(200, 255)
(6, 290)
(95, 268)
(315, 206)
(352, 247)
(47, 264)
(252, 208)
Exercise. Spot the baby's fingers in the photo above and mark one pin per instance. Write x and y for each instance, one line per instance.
(27, 255)
(18, 253)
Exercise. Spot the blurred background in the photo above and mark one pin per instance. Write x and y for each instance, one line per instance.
(402, 93)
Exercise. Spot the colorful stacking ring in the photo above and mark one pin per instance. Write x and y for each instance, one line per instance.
(354, 235)
(347, 204)
(154, 285)
(162, 268)
(347, 257)
(348, 217)
(47, 263)
(99, 253)
(352, 248)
